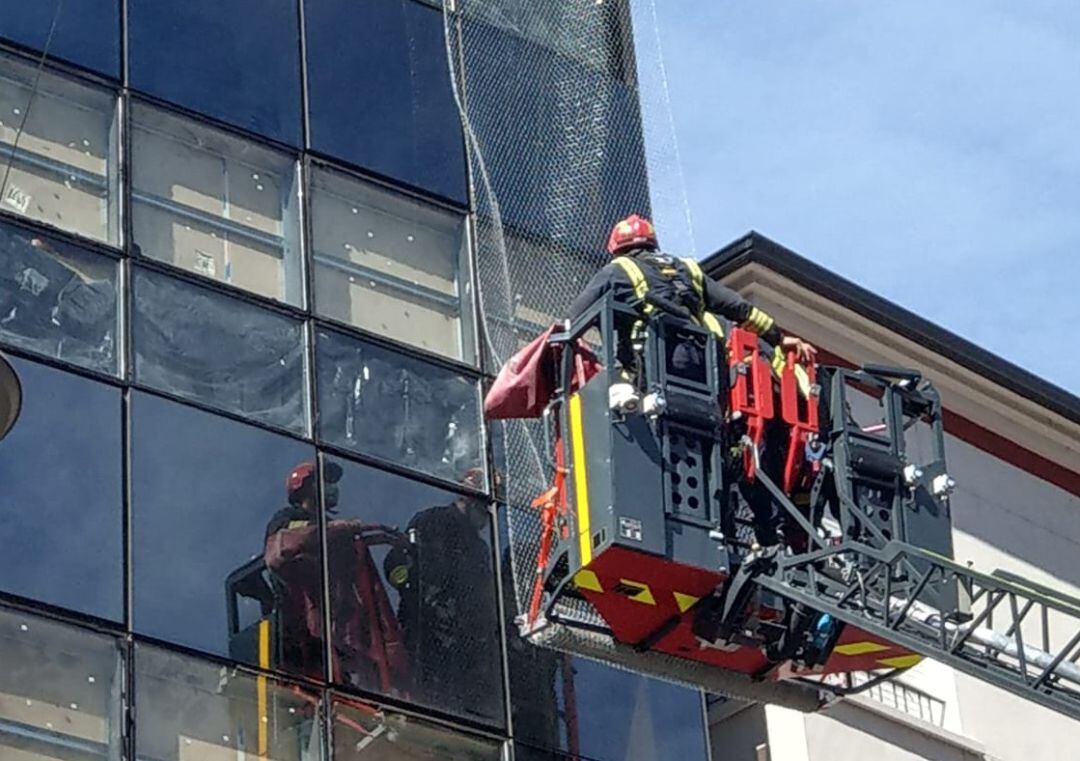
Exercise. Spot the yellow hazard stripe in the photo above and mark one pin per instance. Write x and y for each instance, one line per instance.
(860, 648)
(586, 579)
(901, 661)
(643, 593)
(260, 687)
(581, 480)
(684, 601)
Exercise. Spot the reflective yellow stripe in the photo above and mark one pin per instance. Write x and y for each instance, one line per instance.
(759, 322)
(637, 279)
(581, 480)
(696, 275)
(803, 379)
(708, 319)
(260, 687)
(778, 360)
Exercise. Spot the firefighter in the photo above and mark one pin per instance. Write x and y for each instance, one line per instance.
(367, 644)
(447, 606)
(643, 276)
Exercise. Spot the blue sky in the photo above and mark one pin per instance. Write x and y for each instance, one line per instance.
(927, 150)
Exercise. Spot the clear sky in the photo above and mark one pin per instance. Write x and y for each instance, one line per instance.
(927, 150)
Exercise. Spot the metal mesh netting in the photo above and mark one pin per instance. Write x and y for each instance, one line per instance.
(552, 110)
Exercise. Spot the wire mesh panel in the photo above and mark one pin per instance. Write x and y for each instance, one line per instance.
(550, 104)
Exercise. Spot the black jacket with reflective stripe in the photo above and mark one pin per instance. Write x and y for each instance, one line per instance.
(678, 289)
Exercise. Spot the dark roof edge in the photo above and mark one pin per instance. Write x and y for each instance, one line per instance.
(755, 247)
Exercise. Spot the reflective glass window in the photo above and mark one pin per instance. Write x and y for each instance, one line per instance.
(240, 60)
(193, 710)
(412, 596)
(61, 515)
(87, 32)
(225, 551)
(215, 204)
(399, 119)
(60, 690)
(58, 149)
(571, 704)
(58, 300)
(391, 265)
(219, 350)
(397, 408)
(363, 732)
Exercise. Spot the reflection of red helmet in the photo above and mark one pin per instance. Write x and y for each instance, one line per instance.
(632, 232)
(299, 477)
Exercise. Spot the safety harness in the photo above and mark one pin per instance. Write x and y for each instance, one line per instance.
(640, 285)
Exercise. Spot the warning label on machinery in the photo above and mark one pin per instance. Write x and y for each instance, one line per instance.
(630, 528)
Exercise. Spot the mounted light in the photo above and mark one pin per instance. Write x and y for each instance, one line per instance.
(10, 397)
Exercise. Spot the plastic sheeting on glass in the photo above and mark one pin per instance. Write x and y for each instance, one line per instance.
(215, 204)
(61, 517)
(58, 300)
(63, 172)
(391, 265)
(61, 690)
(397, 408)
(207, 492)
(412, 596)
(219, 350)
(364, 732)
(191, 709)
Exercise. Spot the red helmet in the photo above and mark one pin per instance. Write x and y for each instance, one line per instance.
(632, 232)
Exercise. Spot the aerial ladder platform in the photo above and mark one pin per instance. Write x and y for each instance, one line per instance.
(758, 528)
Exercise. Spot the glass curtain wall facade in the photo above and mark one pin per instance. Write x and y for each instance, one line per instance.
(246, 509)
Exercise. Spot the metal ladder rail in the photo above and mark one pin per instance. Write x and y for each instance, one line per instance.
(880, 593)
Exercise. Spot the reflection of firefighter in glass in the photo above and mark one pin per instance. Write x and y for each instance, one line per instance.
(367, 642)
(448, 611)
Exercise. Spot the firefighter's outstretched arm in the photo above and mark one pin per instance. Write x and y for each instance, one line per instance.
(724, 301)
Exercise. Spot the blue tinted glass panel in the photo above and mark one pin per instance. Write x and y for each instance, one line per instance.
(421, 559)
(87, 31)
(399, 118)
(61, 518)
(207, 493)
(238, 61)
(616, 714)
